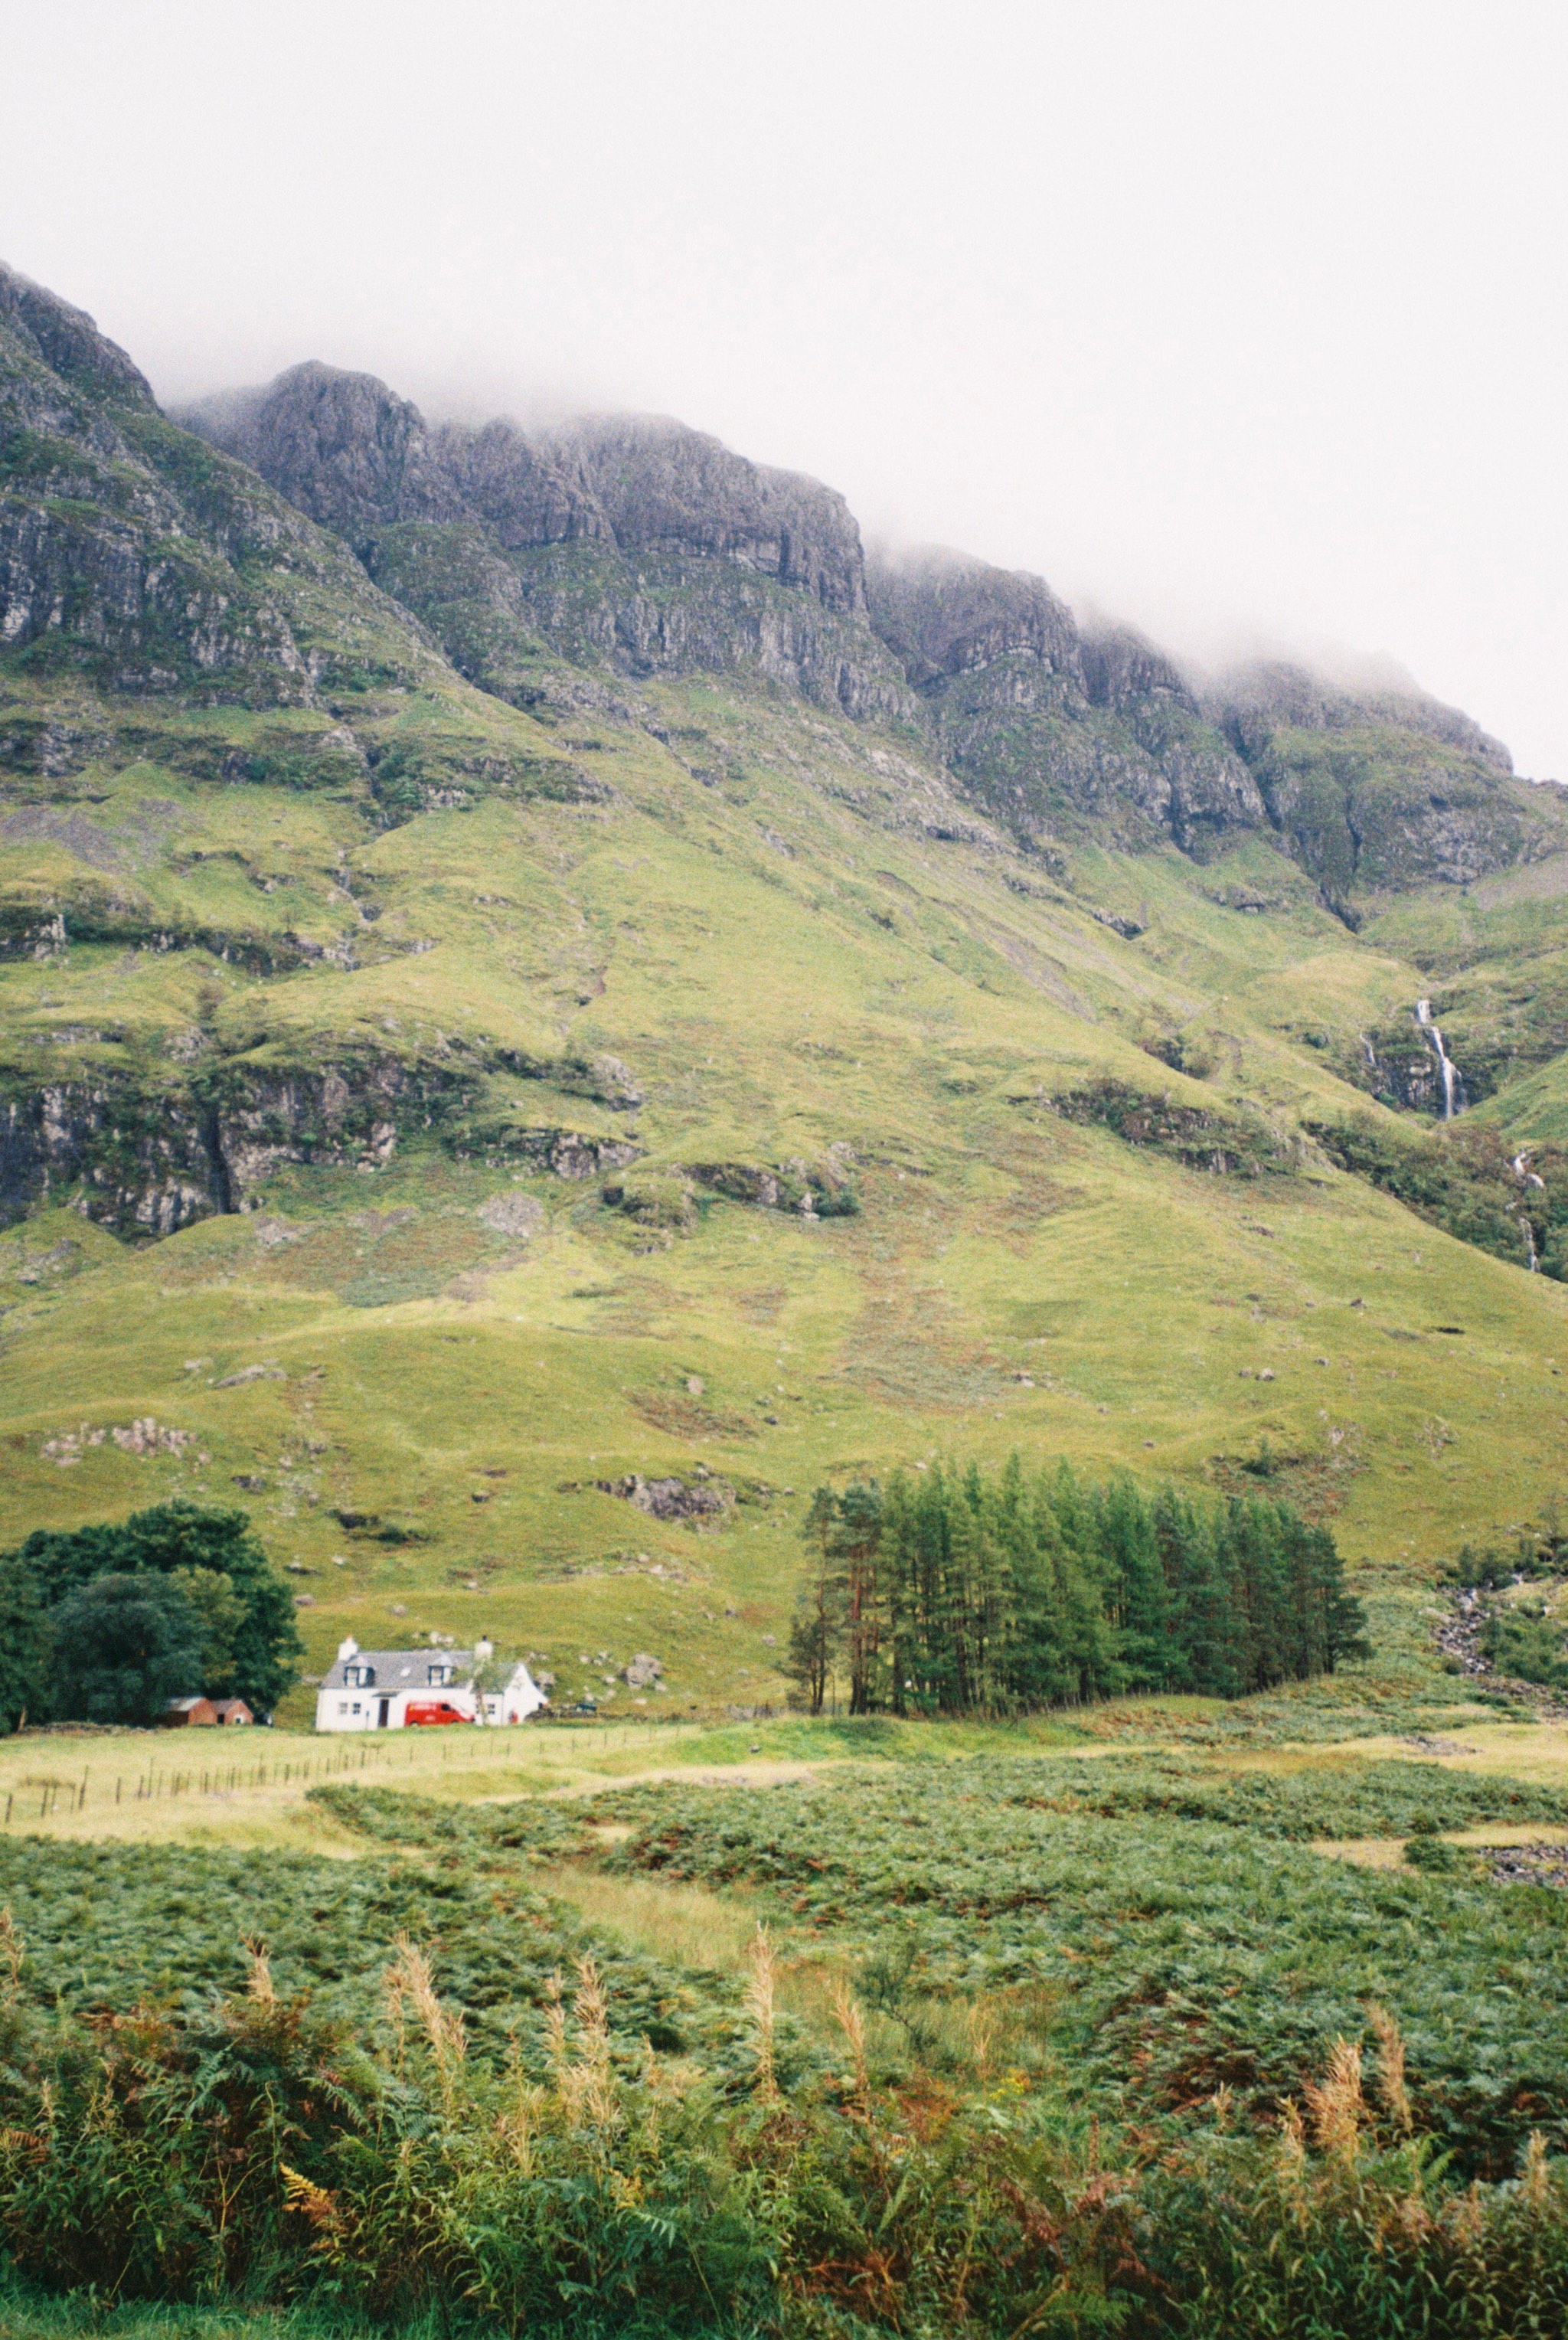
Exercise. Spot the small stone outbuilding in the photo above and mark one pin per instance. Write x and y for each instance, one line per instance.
(180, 1712)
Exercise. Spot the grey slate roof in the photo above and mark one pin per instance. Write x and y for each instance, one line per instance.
(403, 1669)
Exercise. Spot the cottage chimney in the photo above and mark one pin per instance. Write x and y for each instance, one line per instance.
(347, 1649)
(483, 1651)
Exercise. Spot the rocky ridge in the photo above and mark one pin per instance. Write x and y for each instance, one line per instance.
(636, 544)
(148, 557)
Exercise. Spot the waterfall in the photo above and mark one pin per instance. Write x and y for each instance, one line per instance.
(1528, 1177)
(1453, 1085)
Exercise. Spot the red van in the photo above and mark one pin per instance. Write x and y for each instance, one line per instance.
(434, 1710)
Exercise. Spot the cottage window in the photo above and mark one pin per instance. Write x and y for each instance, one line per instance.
(342, 1706)
(360, 1678)
(356, 1706)
(440, 1676)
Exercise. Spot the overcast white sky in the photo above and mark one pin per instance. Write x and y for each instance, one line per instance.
(1238, 320)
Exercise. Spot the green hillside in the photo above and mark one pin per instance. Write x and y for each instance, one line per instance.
(433, 1110)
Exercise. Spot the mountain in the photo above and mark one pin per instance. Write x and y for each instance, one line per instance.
(1059, 734)
(551, 1000)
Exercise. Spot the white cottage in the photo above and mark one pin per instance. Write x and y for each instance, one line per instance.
(392, 1690)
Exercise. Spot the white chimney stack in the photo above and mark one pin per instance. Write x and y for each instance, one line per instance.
(347, 1649)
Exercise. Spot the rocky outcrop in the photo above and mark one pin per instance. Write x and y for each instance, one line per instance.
(342, 448)
(144, 1150)
(823, 1191)
(346, 450)
(524, 492)
(94, 550)
(1054, 731)
(943, 614)
(67, 342)
(140, 1168)
(702, 560)
(1253, 702)
(1058, 731)
(664, 488)
(137, 558)
(1225, 1142)
(1123, 672)
(145, 1157)
(1377, 787)
(671, 1498)
(665, 613)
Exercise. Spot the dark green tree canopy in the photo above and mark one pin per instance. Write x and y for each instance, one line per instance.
(124, 1646)
(170, 1536)
(250, 1648)
(953, 1592)
(26, 1645)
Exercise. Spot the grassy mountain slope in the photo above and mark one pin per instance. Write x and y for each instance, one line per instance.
(411, 1092)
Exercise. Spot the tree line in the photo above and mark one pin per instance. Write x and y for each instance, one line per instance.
(107, 1623)
(952, 1591)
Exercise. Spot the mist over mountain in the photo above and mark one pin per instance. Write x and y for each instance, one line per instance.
(1051, 728)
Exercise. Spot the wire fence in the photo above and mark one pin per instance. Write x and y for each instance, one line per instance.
(150, 1782)
(48, 1796)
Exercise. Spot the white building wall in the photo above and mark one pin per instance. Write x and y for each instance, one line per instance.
(351, 1707)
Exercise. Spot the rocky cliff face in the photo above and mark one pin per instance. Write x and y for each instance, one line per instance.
(355, 457)
(524, 494)
(1378, 788)
(1057, 731)
(340, 447)
(136, 559)
(147, 1147)
(66, 344)
(662, 488)
(944, 615)
(704, 560)
(1063, 732)
(632, 545)
(1256, 701)
(148, 579)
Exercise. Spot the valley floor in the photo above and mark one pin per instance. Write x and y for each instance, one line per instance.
(1084, 1933)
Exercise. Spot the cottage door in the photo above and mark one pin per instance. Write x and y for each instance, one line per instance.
(382, 1709)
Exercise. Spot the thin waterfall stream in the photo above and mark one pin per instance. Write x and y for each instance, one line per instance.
(1453, 1086)
(1528, 1177)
